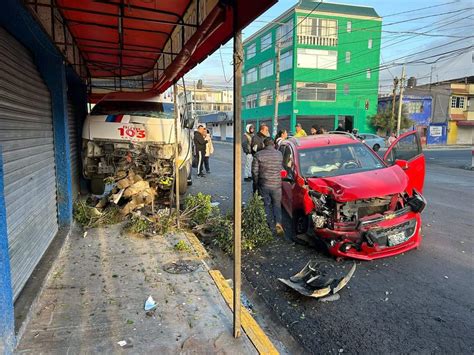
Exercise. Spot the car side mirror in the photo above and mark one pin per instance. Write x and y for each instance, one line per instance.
(402, 164)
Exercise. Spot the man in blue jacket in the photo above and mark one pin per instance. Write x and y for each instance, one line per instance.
(266, 167)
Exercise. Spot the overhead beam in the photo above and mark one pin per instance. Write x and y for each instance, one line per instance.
(85, 23)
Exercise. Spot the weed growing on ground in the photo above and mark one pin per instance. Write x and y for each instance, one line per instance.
(138, 224)
(91, 217)
(182, 246)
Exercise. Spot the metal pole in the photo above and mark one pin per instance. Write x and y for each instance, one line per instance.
(176, 152)
(394, 100)
(238, 55)
(277, 89)
(400, 102)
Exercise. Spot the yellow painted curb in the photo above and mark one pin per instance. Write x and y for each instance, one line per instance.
(197, 246)
(256, 335)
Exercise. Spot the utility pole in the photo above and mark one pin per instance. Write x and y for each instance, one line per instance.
(277, 89)
(238, 59)
(400, 101)
(394, 99)
(176, 152)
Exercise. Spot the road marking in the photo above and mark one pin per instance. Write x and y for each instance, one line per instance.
(256, 335)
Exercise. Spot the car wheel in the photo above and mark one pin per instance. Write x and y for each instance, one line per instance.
(97, 186)
(183, 181)
(376, 147)
(300, 223)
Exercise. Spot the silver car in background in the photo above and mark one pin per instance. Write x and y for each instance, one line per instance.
(372, 140)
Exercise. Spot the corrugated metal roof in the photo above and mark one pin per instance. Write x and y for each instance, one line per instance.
(337, 8)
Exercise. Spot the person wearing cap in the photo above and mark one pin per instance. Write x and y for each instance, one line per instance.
(247, 147)
(299, 131)
(266, 167)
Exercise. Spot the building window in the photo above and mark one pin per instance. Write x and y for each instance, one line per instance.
(266, 42)
(251, 51)
(457, 102)
(286, 61)
(266, 98)
(284, 93)
(317, 31)
(349, 26)
(346, 89)
(368, 74)
(348, 57)
(285, 34)
(415, 106)
(369, 45)
(316, 59)
(251, 101)
(315, 92)
(266, 69)
(251, 75)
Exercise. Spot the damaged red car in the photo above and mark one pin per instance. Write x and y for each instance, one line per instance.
(361, 206)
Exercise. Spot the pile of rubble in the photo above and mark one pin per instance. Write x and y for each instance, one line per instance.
(131, 192)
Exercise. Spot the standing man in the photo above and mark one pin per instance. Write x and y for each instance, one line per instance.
(257, 140)
(247, 147)
(266, 167)
(200, 146)
(300, 132)
(340, 128)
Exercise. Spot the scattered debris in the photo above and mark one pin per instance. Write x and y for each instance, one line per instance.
(330, 298)
(150, 304)
(315, 281)
(125, 344)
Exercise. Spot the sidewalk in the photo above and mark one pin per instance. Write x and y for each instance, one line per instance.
(447, 147)
(95, 296)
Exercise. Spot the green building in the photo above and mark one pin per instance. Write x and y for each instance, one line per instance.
(329, 61)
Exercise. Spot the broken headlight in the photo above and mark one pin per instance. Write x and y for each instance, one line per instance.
(417, 202)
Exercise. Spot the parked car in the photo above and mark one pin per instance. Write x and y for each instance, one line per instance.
(337, 190)
(372, 140)
(135, 131)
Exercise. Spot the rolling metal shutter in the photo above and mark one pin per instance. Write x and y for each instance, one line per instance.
(26, 135)
(74, 147)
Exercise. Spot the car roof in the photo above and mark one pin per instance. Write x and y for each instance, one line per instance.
(321, 140)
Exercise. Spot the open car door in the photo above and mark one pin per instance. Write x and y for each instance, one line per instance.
(407, 153)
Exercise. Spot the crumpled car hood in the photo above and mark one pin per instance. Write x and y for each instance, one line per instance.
(368, 184)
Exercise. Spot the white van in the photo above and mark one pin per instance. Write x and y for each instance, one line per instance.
(135, 131)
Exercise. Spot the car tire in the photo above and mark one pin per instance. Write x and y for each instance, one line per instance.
(183, 181)
(376, 147)
(97, 186)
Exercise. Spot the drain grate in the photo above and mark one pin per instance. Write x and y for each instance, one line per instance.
(182, 266)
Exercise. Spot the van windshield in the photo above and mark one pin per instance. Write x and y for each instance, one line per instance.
(338, 160)
(134, 108)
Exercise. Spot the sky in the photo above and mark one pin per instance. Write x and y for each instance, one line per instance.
(446, 25)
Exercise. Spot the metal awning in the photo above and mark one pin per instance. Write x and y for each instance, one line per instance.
(144, 44)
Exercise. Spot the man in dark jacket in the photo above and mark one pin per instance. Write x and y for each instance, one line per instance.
(247, 147)
(266, 167)
(257, 140)
(200, 149)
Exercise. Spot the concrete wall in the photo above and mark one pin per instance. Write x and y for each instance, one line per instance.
(465, 135)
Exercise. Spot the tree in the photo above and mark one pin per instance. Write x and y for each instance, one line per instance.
(382, 120)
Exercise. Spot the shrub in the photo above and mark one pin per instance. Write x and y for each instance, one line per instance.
(255, 230)
(91, 217)
(201, 206)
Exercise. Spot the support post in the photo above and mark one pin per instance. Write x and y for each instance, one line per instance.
(400, 101)
(277, 89)
(238, 58)
(7, 325)
(394, 100)
(176, 152)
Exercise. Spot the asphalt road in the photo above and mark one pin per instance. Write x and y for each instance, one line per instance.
(420, 301)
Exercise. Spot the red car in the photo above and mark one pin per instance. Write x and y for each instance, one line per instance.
(361, 206)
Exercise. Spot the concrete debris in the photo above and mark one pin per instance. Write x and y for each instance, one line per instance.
(125, 344)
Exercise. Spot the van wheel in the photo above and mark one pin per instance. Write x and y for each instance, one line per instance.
(183, 181)
(97, 186)
(376, 147)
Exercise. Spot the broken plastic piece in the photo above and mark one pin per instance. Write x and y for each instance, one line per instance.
(312, 283)
(150, 304)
